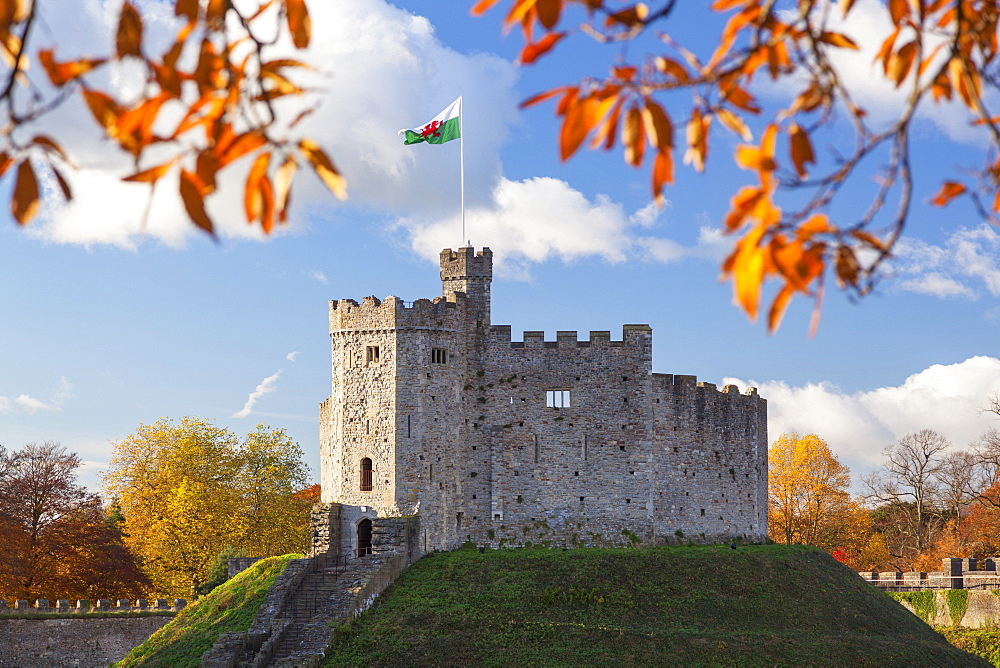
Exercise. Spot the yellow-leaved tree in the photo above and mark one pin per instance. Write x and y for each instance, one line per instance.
(809, 503)
(189, 490)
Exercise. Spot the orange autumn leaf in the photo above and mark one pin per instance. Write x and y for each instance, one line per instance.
(759, 158)
(24, 203)
(633, 137)
(482, 7)
(659, 129)
(697, 140)
(533, 51)
(778, 307)
(578, 121)
(801, 149)
(187, 8)
(194, 204)
(62, 73)
(747, 266)
(151, 175)
(663, 174)
(324, 168)
(847, 267)
(241, 145)
(63, 184)
(735, 124)
(901, 62)
(128, 41)
(266, 195)
(283, 187)
(105, 110)
(899, 10)
(299, 23)
(949, 191)
(253, 203)
(548, 12)
(838, 39)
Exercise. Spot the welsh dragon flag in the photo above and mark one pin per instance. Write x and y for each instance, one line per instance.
(443, 127)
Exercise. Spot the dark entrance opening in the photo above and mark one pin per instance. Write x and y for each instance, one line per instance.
(364, 537)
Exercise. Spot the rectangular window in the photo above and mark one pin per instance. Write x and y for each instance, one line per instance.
(439, 356)
(557, 398)
(371, 354)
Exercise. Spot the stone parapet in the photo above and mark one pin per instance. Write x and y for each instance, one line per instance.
(85, 606)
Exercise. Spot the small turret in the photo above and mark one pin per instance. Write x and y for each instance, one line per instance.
(470, 272)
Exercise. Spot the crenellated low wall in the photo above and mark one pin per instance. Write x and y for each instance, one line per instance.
(85, 606)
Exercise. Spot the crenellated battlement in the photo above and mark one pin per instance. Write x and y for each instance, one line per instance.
(86, 606)
(632, 335)
(394, 313)
(675, 385)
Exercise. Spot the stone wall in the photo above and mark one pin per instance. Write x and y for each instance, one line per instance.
(84, 642)
(455, 418)
(955, 573)
(974, 609)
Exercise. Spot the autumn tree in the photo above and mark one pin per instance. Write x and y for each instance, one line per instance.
(208, 100)
(57, 540)
(808, 494)
(909, 487)
(189, 489)
(665, 96)
(275, 508)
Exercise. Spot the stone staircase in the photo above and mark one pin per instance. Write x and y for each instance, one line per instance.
(297, 622)
(306, 617)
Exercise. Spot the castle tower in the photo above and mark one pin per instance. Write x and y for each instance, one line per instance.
(390, 433)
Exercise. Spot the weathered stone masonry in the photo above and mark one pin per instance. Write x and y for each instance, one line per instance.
(566, 442)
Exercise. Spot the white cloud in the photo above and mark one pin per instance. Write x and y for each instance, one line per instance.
(537, 219)
(964, 266)
(25, 403)
(946, 398)
(649, 215)
(319, 277)
(292, 355)
(266, 386)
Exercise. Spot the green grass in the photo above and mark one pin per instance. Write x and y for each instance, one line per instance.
(231, 607)
(706, 605)
(984, 642)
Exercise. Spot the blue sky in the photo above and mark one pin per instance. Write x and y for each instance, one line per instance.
(106, 324)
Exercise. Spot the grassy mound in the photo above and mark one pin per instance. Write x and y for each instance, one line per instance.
(230, 607)
(757, 605)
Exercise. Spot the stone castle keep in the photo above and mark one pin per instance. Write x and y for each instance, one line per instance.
(436, 412)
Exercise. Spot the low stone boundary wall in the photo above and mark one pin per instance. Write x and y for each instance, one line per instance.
(78, 642)
(954, 574)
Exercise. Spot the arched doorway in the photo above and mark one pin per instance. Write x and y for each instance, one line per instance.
(364, 537)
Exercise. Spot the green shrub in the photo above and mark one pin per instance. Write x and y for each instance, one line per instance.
(922, 602)
(958, 603)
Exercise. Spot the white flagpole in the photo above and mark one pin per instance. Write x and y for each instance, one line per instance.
(461, 160)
